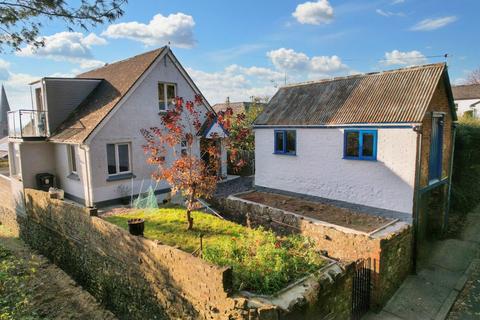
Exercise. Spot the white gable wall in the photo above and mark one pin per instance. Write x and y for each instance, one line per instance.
(139, 111)
(319, 170)
(464, 105)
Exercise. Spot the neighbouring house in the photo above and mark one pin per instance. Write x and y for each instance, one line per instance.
(378, 140)
(467, 99)
(237, 107)
(4, 109)
(85, 131)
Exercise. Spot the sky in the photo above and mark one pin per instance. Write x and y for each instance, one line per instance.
(241, 49)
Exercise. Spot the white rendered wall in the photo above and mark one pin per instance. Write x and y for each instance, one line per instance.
(464, 105)
(65, 180)
(319, 170)
(139, 111)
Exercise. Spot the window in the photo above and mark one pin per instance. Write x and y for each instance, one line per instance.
(72, 160)
(166, 95)
(360, 144)
(285, 142)
(183, 148)
(38, 98)
(118, 158)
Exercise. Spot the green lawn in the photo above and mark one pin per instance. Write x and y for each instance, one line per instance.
(261, 261)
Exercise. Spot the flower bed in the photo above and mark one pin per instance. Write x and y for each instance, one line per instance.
(262, 262)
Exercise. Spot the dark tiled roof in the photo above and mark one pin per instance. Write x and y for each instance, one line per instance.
(118, 78)
(469, 91)
(397, 96)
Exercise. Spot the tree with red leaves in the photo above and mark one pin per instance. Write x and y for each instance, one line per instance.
(177, 139)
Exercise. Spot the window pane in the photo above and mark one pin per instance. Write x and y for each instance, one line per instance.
(73, 160)
(352, 144)
(170, 93)
(112, 166)
(367, 148)
(279, 141)
(291, 135)
(161, 96)
(123, 158)
(38, 98)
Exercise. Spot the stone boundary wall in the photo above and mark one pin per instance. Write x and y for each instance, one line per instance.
(390, 251)
(137, 278)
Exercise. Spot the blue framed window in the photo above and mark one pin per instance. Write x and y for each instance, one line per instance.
(285, 142)
(360, 144)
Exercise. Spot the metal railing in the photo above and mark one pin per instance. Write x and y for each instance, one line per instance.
(27, 124)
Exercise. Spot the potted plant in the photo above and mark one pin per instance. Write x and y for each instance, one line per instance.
(136, 227)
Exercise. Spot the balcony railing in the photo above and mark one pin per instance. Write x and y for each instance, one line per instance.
(27, 124)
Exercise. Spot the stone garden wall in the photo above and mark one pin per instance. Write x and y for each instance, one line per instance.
(389, 250)
(138, 278)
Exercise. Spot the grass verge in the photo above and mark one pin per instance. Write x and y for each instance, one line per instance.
(262, 262)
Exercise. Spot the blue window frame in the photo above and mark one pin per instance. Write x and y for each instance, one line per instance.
(285, 142)
(360, 144)
(436, 152)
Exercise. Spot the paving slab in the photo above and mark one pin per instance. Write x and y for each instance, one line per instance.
(452, 254)
(417, 299)
(382, 315)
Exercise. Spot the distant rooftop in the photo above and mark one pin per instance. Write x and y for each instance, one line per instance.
(469, 91)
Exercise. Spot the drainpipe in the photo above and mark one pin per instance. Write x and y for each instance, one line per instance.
(416, 196)
(450, 173)
(88, 201)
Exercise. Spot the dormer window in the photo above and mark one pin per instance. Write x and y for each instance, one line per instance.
(166, 95)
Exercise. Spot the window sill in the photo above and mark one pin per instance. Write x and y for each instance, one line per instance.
(123, 176)
(361, 159)
(73, 176)
(285, 154)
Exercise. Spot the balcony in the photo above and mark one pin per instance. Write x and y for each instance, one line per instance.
(27, 124)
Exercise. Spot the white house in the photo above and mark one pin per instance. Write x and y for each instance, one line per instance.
(375, 141)
(85, 131)
(467, 99)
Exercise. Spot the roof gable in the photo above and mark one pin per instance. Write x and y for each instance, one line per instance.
(118, 79)
(397, 96)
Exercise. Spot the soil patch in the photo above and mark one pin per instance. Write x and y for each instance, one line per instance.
(317, 210)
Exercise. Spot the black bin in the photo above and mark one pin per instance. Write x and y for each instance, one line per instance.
(45, 181)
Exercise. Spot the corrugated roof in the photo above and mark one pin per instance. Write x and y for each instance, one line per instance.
(118, 78)
(469, 91)
(396, 96)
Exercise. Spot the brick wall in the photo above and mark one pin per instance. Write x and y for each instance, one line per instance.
(390, 252)
(137, 278)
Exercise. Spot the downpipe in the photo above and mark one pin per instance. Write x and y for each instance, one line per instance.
(88, 202)
(416, 197)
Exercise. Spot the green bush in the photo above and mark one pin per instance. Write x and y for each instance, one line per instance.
(466, 166)
(264, 263)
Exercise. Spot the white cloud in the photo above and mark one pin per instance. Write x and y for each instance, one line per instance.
(4, 65)
(397, 2)
(409, 58)
(290, 60)
(389, 13)
(316, 13)
(240, 82)
(433, 24)
(72, 47)
(175, 28)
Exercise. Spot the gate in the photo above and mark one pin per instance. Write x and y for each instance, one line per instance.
(361, 288)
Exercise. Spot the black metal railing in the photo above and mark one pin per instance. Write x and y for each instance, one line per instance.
(361, 289)
(27, 124)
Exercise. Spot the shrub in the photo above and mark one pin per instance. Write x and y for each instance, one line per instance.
(466, 166)
(263, 262)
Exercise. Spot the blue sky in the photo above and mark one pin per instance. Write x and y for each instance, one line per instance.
(245, 48)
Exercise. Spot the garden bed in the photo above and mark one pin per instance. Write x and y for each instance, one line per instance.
(317, 210)
(261, 261)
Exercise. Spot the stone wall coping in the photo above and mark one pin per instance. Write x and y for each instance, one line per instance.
(393, 227)
(289, 296)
